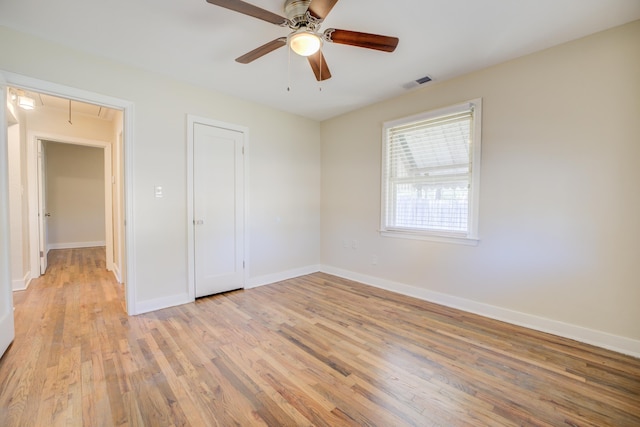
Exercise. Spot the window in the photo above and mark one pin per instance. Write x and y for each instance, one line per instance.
(431, 173)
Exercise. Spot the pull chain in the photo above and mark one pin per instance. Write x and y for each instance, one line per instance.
(289, 70)
(320, 82)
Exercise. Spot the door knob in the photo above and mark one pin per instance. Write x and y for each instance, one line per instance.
(47, 214)
(198, 222)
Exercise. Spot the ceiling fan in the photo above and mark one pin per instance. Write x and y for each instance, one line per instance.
(305, 17)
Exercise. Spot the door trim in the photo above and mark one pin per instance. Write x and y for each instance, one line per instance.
(191, 121)
(127, 107)
(7, 333)
(36, 192)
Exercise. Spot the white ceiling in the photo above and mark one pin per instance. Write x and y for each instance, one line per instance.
(197, 42)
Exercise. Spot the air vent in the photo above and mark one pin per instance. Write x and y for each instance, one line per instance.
(416, 83)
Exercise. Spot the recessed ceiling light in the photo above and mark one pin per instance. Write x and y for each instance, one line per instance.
(26, 103)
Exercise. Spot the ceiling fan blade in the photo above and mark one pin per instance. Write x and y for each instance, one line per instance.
(321, 8)
(319, 66)
(366, 40)
(251, 10)
(262, 50)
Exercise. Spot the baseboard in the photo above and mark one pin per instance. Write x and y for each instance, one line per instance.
(160, 303)
(21, 284)
(267, 279)
(115, 269)
(6, 338)
(74, 245)
(589, 336)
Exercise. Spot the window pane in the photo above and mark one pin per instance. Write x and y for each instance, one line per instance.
(442, 207)
(428, 174)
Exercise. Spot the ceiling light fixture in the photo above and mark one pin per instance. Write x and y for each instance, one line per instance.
(304, 42)
(26, 103)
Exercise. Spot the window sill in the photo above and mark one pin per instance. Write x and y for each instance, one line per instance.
(441, 238)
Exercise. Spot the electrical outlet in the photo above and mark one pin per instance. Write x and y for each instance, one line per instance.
(374, 259)
(354, 244)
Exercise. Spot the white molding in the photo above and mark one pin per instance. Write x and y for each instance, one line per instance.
(268, 279)
(7, 330)
(129, 266)
(429, 237)
(22, 284)
(116, 273)
(589, 336)
(6, 339)
(73, 245)
(164, 302)
(118, 196)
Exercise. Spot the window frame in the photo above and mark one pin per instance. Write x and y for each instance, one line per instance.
(471, 237)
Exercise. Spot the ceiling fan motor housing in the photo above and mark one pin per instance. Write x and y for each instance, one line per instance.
(296, 11)
(305, 17)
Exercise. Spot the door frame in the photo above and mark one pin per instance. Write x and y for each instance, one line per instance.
(34, 139)
(127, 107)
(191, 121)
(37, 189)
(7, 334)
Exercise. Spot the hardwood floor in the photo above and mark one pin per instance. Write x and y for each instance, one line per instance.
(316, 350)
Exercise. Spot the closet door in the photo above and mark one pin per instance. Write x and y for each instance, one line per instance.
(218, 198)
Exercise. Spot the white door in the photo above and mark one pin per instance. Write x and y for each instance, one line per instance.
(218, 206)
(7, 332)
(43, 215)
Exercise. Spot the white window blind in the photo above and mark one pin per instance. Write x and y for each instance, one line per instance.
(428, 173)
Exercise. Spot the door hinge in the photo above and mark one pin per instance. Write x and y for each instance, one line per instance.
(242, 264)
(41, 254)
(243, 150)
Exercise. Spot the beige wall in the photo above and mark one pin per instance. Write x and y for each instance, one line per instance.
(559, 204)
(75, 195)
(51, 121)
(18, 200)
(15, 205)
(117, 194)
(284, 165)
(558, 210)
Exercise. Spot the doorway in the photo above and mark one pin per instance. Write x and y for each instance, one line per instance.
(46, 126)
(123, 214)
(76, 198)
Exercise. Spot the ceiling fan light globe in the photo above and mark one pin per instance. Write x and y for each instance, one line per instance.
(305, 43)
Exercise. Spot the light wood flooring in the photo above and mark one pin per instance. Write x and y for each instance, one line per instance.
(316, 350)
